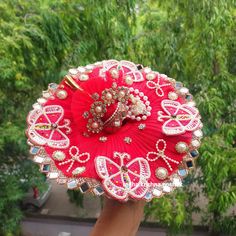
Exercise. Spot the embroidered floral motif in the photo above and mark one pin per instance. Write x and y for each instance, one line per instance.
(46, 128)
(161, 147)
(127, 67)
(75, 156)
(157, 86)
(180, 117)
(124, 180)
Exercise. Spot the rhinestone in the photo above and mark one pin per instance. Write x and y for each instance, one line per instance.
(157, 192)
(198, 133)
(78, 170)
(139, 67)
(195, 143)
(114, 73)
(61, 94)
(147, 70)
(103, 139)
(194, 153)
(183, 91)
(73, 71)
(127, 140)
(83, 77)
(151, 76)
(167, 188)
(177, 181)
(34, 150)
(41, 100)
(98, 190)
(37, 106)
(85, 114)
(89, 67)
(181, 147)
(142, 126)
(72, 184)
(84, 187)
(61, 180)
(182, 172)
(53, 175)
(172, 95)
(52, 86)
(81, 69)
(178, 85)
(45, 168)
(129, 80)
(117, 123)
(148, 196)
(189, 163)
(188, 97)
(38, 159)
(191, 104)
(46, 94)
(161, 173)
(59, 155)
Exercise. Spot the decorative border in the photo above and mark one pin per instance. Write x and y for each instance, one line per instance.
(174, 181)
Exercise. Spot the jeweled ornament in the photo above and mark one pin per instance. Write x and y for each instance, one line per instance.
(116, 128)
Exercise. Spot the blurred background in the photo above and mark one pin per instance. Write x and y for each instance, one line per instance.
(193, 41)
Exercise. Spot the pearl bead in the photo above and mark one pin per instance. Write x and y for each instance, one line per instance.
(172, 95)
(138, 118)
(98, 109)
(108, 96)
(195, 143)
(121, 94)
(161, 173)
(83, 77)
(78, 170)
(144, 117)
(183, 91)
(61, 94)
(136, 91)
(181, 147)
(150, 76)
(128, 80)
(59, 155)
(114, 73)
(95, 125)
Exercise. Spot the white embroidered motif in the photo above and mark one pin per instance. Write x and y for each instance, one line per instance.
(180, 117)
(156, 85)
(127, 67)
(45, 128)
(120, 182)
(161, 154)
(75, 156)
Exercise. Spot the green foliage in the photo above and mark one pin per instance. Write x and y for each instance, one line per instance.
(191, 41)
(76, 197)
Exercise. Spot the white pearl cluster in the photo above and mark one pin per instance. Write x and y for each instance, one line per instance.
(140, 108)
